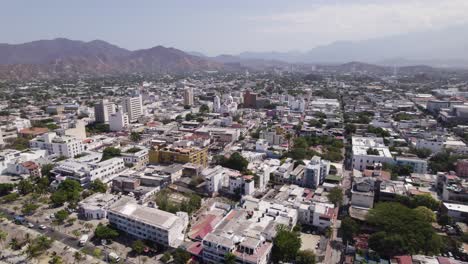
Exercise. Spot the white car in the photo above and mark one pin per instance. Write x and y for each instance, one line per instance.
(30, 225)
(43, 227)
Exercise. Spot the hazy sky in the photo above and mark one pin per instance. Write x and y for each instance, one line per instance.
(223, 26)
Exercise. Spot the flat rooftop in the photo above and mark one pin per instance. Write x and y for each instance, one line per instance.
(147, 215)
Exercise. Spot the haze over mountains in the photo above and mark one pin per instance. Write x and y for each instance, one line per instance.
(446, 47)
(71, 58)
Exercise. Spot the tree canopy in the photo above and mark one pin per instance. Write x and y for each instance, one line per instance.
(401, 231)
(105, 232)
(235, 162)
(68, 191)
(110, 152)
(286, 245)
(335, 196)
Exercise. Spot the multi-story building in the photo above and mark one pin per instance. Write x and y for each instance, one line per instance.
(315, 172)
(118, 121)
(136, 156)
(368, 151)
(170, 154)
(96, 205)
(418, 165)
(250, 99)
(133, 106)
(147, 223)
(362, 192)
(85, 172)
(103, 110)
(67, 146)
(462, 168)
(188, 96)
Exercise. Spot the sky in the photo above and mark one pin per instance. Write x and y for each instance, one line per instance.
(216, 27)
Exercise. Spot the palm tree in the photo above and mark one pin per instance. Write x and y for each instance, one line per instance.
(230, 258)
(78, 256)
(31, 252)
(14, 243)
(3, 236)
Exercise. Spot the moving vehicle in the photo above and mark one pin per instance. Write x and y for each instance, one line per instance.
(83, 240)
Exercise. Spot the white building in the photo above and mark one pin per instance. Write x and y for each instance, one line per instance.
(148, 223)
(11, 160)
(218, 177)
(369, 150)
(96, 205)
(85, 172)
(118, 121)
(315, 172)
(103, 110)
(133, 106)
(67, 146)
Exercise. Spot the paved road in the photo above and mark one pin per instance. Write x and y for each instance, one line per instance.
(59, 236)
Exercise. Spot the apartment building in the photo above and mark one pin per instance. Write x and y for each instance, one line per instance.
(147, 223)
(103, 110)
(368, 151)
(171, 154)
(133, 106)
(85, 172)
(67, 146)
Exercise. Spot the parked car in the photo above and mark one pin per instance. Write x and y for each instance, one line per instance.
(30, 225)
(43, 227)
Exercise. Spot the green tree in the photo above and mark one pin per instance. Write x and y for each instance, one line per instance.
(138, 246)
(56, 260)
(110, 152)
(349, 228)
(402, 231)
(236, 162)
(3, 237)
(78, 256)
(105, 232)
(204, 108)
(135, 136)
(6, 188)
(25, 187)
(166, 257)
(285, 245)
(46, 170)
(180, 256)
(68, 191)
(42, 185)
(98, 186)
(61, 216)
(427, 213)
(335, 196)
(305, 257)
(229, 258)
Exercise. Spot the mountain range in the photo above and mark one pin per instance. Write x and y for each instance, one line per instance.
(447, 47)
(64, 58)
(71, 58)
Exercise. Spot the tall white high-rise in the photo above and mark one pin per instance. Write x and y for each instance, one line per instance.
(216, 104)
(103, 110)
(133, 106)
(118, 120)
(188, 96)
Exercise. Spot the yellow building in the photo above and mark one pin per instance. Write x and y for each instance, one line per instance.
(169, 155)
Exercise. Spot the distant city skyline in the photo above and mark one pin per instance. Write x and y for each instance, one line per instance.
(225, 27)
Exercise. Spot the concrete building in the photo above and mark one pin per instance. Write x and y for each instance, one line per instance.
(66, 146)
(216, 104)
(363, 192)
(103, 110)
(315, 172)
(250, 99)
(85, 172)
(133, 107)
(369, 150)
(188, 96)
(76, 129)
(118, 121)
(171, 154)
(462, 168)
(96, 205)
(147, 223)
(418, 165)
